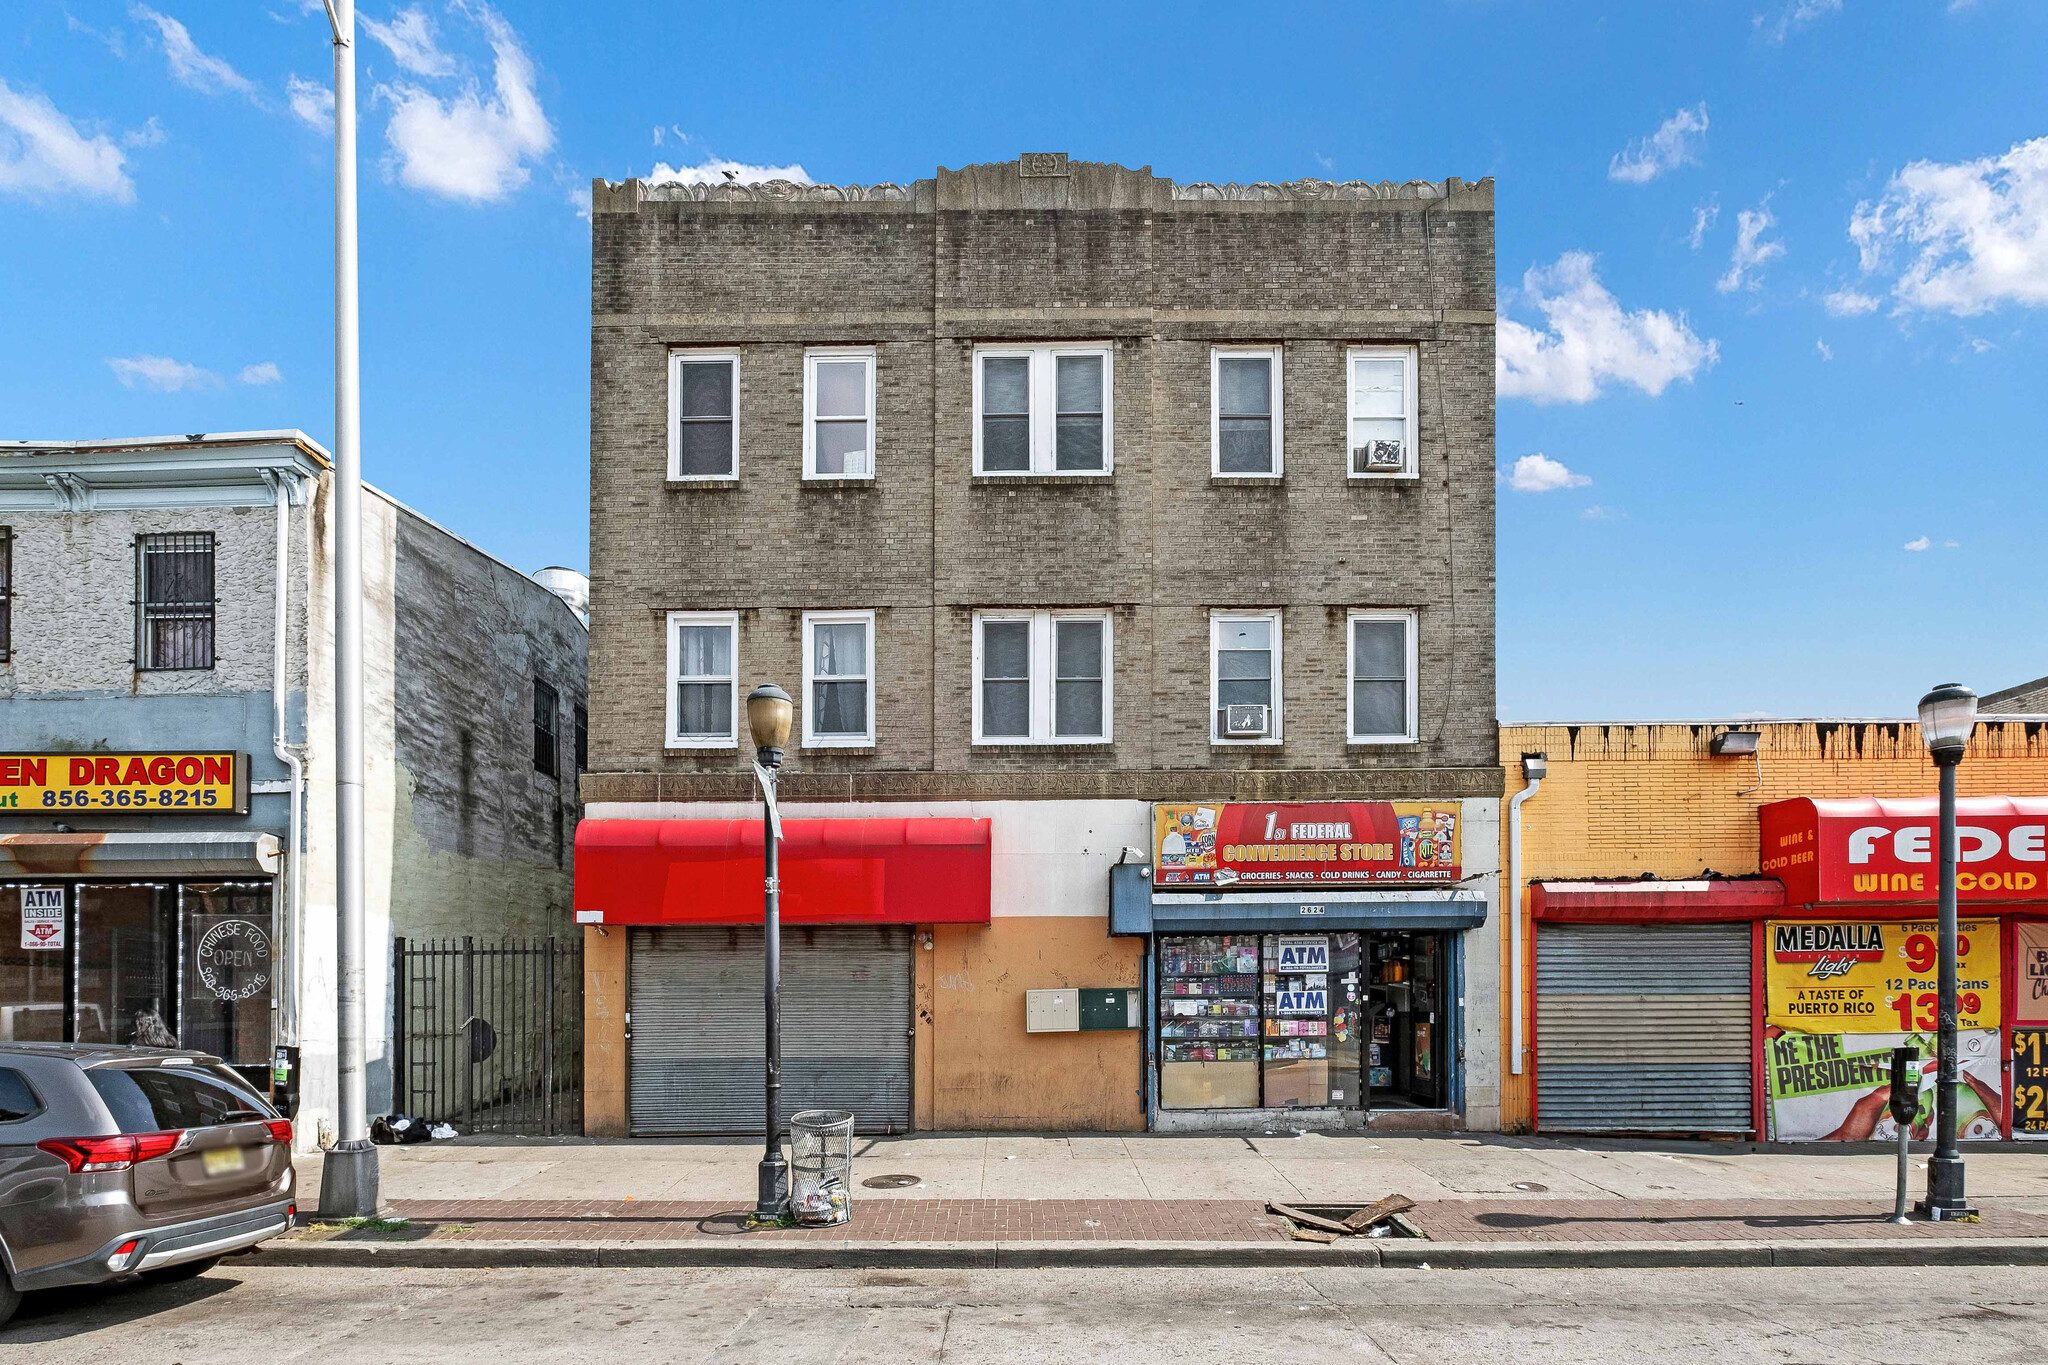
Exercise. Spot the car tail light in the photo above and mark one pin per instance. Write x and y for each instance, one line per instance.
(111, 1153)
(280, 1130)
(123, 1254)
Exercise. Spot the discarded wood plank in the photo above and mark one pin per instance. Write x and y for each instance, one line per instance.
(1308, 1219)
(1302, 1234)
(1378, 1213)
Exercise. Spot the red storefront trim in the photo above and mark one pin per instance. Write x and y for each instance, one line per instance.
(854, 871)
(1650, 902)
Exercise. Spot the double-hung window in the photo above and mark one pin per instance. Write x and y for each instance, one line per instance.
(6, 593)
(1044, 409)
(174, 601)
(1381, 411)
(1244, 678)
(1244, 412)
(582, 741)
(703, 691)
(1042, 678)
(547, 739)
(839, 679)
(1382, 677)
(839, 414)
(703, 415)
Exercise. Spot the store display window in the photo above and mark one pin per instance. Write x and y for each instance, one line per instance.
(1278, 1021)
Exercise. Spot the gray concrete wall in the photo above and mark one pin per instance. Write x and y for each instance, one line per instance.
(1164, 273)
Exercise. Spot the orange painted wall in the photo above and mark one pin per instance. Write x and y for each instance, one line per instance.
(985, 1071)
(604, 1032)
(1629, 800)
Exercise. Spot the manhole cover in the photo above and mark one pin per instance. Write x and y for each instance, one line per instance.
(890, 1182)
(1532, 1187)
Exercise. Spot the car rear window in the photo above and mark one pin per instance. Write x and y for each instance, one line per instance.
(152, 1098)
(17, 1100)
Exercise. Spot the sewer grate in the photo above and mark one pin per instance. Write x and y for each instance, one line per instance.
(890, 1182)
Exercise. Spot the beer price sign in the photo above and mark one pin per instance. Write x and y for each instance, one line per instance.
(1877, 976)
(161, 784)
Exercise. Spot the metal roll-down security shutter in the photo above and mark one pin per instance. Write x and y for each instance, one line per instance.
(1643, 1028)
(696, 1032)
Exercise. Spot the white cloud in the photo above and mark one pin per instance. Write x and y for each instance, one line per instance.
(43, 154)
(466, 146)
(579, 199)
(161, 373)
(1950, 545)
(1796, 15)
(1674, 144)
(111, 39)
(150, 134)
(1917, 544)
(1539, 473)
(1599, 513)
(1849, 303)
(189, 66)
(311, 102)
(1588, 340)
(1703, 218)
(1827, 352)
(264, 372)
(717, 171)
(409, 38)
(1751, 251)
(1976, 231)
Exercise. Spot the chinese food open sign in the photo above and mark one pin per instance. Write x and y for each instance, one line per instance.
(1876, 976)
(1318, 843)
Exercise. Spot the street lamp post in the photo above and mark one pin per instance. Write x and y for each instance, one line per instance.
(1947, 716)
(768, 716)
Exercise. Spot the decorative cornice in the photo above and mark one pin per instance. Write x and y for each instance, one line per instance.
(1179, 784)
(1310, 190)
(771, 192)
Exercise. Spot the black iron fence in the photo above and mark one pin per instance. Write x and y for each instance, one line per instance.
(488, 1036)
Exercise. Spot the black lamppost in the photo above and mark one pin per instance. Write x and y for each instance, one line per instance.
(768, 715)
(1947, 716)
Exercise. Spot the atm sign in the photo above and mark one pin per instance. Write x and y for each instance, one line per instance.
(172, 784)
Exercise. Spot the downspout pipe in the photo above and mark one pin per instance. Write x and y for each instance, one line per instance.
(282, 484)
(1533, 769)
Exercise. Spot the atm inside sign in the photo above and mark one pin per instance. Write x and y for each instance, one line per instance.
(176, 783)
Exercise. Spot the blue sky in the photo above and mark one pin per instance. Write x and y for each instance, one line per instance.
(1773, 274)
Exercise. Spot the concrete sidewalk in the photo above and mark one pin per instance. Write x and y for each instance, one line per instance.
(985, 1199)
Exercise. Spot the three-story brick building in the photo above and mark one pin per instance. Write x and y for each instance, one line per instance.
(1089, 518)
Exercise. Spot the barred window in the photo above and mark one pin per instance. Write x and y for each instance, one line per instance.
(582, 741)
(547, 744)
(6, 593)
(174, 601)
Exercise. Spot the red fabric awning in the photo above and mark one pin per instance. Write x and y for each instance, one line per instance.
(855, 871)
(1633, 902)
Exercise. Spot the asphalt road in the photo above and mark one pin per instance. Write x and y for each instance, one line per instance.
(243, 1312)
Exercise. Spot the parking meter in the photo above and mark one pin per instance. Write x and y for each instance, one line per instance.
(1904, 1104)
(1905, 1100)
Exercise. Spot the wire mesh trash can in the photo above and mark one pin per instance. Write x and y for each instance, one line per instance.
(821, 1166)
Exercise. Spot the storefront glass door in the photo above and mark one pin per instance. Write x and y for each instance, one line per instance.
(228, 969)
(1339, 1020)
(127, 964)
(34, 932)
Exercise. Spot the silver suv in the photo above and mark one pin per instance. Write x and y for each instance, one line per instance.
(120, 1161)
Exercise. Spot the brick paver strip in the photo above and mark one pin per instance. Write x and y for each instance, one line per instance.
(1164, 1220)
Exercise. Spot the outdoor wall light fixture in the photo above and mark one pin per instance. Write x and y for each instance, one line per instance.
(1734, 743)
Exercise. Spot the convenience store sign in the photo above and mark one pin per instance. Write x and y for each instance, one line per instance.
(161, 783)
(1315, 843)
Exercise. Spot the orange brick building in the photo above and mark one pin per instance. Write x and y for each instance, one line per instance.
(1668, 810)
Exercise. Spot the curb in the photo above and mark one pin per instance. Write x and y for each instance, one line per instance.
(1050, 1255)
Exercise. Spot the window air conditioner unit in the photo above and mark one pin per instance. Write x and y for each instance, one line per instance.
(1246, 720)
(1379, 457)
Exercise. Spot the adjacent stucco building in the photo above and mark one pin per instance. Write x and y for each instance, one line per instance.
(172, 599)
(1060, 496)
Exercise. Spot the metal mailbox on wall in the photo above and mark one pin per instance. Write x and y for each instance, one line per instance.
(1083, 1009)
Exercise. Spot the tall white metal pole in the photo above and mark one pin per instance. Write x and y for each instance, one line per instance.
(348, 1186)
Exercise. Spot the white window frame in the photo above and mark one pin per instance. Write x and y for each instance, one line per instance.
(731, 621)
(811, 359)
(1044, 407)
(812, 620)
(1411, 359)
(1219, 354)
(1043, 680)
(677, 358)
(1411, 621)
(1216, 620)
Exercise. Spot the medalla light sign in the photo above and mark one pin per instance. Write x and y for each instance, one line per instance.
(160, 783)
(1882, 850)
